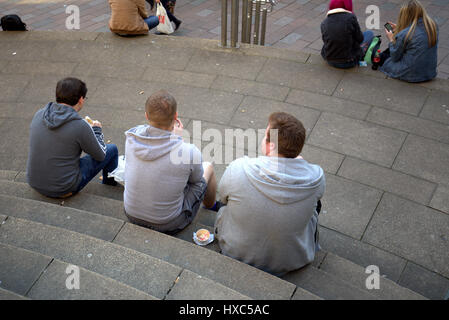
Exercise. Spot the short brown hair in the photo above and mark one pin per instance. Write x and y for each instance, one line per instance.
(291, 133)
(70, 90)
(161, 108)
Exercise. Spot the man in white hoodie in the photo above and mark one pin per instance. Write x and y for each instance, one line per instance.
(165, 178)
(270, 219)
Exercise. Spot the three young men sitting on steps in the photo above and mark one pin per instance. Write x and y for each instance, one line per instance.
(269, 217)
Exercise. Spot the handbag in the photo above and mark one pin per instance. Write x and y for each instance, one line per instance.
(164, 25)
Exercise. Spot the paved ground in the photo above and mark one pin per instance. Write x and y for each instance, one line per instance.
(384, 144)
(293, 24)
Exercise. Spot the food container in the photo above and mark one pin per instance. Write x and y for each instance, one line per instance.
(203, 237)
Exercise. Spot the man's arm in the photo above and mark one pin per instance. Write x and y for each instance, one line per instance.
(91, 140)
(224, 187)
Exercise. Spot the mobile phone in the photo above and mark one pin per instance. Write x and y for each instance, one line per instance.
(388, 27)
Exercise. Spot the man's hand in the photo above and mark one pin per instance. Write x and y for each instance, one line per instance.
(96, 123)
(178, 127)
(393, 25)
(390, 35)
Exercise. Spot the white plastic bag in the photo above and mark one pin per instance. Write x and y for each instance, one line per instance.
(119, 173)
(164, 25)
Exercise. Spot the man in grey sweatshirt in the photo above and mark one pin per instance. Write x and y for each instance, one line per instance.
(58, 135)
(270, 219)
(165, 178)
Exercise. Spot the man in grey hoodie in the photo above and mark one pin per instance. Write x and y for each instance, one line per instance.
(165, 178)
(271, 217)
(58, 135)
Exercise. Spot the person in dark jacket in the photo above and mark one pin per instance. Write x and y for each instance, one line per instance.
(342, 37)
(412, 53)
(58, 135)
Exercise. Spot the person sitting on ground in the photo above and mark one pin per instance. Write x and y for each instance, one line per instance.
(270, 219)
(343, 41)
(165, 179)
(169, 6)
(58, 135)
(130, 17)
(412, 52)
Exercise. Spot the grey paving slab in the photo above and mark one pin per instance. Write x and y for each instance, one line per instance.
(7, 175)
(436, 107)
(424, 158)
(422, 127)
(193, 79)
(229, 272)
(19, 110)
(386, 179)
(27, 50)
(192, 286)
(348, 206)
(254, 112)
(54, 215)
(117, 116)
(85, 51)
(51, 286)
(158, 55)
(325, 285)
(357, 138)
(355, 274)
(221, 63)
(252, 88)
(412, 231)
(387, 93)
(309, 77)
(326, 103)
(425, 282)
(39, 67)
(120, 71)
(361, 253)
(328, 160)
(203, 104)
(8, 295)
(82, 201)
(135, 269)
(440, 199)
(14, 143)
(12, 86)
(19, 268)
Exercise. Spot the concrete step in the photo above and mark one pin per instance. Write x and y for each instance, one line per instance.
(83, 201)
(8, 295)
(41, 277)
(98, 226)
(326, 285)
(138, 270)
(355, 274)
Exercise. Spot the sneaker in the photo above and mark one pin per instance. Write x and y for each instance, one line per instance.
(177, 24)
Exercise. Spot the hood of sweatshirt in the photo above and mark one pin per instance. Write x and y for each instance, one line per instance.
(55, 115)
(150, 143)
(283, 180)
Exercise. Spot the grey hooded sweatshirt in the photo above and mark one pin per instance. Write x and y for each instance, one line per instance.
(159, 165)
(58, 135)
(270, 218)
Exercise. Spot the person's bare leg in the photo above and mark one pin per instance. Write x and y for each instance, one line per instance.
(209, 176)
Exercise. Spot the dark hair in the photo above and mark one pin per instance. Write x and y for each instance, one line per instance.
(70, 90)
(161, 108)
(291, 134)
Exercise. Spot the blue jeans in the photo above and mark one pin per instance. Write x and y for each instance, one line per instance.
(90, 167)
(152, 22)
(368, 36)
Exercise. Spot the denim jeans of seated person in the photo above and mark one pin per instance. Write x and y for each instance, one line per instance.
(152, 22)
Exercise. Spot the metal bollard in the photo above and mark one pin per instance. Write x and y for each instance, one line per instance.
(250, 21)
(244, 20)
(257, 23)
(264, 27)
(234, 22)
(224, 22)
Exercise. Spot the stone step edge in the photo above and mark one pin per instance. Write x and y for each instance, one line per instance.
(141, 253)
(95, 274)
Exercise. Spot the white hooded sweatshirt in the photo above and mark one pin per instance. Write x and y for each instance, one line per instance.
(270, 218)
